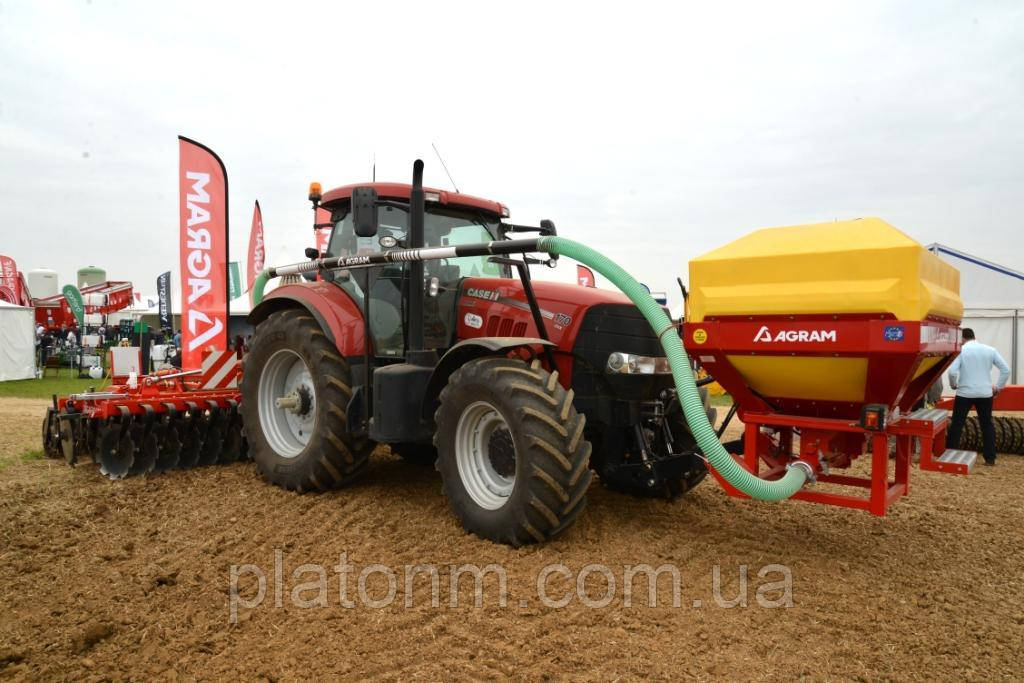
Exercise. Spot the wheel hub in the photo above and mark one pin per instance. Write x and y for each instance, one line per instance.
(502, 452)
(297, 402)
(287, 403)
(485, 455)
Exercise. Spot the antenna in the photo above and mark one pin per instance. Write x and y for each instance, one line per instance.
(444, 166)
(374, 167)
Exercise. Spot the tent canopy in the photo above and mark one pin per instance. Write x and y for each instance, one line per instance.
(993, 297)
(17, 342)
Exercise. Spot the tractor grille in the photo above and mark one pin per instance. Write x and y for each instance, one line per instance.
(607, 328)
(499, 326)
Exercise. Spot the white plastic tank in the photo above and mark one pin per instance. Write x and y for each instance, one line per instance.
(42, 283)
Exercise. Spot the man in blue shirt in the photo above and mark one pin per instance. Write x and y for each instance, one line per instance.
(971, 376)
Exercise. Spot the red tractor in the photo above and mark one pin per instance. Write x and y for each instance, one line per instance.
(515, 390)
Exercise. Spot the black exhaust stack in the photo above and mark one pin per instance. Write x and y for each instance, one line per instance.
(416, 218)
(399, 388)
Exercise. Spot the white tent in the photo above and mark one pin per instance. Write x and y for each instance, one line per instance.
(993, 304)
(17, 342)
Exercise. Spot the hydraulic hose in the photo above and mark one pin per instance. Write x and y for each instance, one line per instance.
(686, 388)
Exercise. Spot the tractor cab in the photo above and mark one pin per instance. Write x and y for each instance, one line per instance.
(450, 219)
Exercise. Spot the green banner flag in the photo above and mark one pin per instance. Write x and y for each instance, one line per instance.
(74, 299)
(234, 281)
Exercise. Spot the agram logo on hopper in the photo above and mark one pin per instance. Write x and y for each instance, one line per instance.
(765, 335)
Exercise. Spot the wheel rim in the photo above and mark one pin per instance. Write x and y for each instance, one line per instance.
(287, 403)
(485, 455)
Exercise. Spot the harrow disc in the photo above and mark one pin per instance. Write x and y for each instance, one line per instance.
(191, 441)
(169, 446)
(51, 434)
(232, 450)
(147, 451)
(116, 461)
(211, 425)
(67, 441)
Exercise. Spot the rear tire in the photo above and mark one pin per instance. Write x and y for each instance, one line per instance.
(511, 452)
(309, 449)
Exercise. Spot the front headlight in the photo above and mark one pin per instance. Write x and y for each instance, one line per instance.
(630, 364)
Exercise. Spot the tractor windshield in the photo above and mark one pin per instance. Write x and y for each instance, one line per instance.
(442, 227)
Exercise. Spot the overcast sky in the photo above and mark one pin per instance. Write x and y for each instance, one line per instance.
(652, 132)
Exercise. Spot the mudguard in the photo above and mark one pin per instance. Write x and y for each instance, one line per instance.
(462, 353)
(339, 317)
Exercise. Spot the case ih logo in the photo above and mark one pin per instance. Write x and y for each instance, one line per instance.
(765, 335)
(487, 294)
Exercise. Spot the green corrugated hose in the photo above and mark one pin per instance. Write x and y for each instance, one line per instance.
(686, 388)
(258, 285)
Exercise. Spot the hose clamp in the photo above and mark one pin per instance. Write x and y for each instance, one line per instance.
(671, 326)
(805, 467)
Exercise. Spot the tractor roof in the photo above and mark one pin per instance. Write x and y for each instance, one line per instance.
(401, 191)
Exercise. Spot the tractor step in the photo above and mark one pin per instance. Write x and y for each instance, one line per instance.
(953, 461)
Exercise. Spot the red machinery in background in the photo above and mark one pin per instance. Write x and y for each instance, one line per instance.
(53, 312)
(1010, 399)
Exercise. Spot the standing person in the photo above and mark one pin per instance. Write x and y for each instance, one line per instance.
(971, 376)
(45, 342)
(177, 339)
(71, 339)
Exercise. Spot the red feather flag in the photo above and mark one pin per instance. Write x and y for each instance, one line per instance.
(584, 276)
(203, 186)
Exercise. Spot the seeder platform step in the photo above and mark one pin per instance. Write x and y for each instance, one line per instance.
(954, 461)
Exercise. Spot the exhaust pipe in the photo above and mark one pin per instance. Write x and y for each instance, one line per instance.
(416, 219)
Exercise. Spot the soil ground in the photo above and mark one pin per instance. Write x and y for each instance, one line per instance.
(132, 580)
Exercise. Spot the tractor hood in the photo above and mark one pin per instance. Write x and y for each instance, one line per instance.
(493, 307)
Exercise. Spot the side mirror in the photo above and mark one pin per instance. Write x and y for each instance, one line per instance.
(312, 253)
(364, 211)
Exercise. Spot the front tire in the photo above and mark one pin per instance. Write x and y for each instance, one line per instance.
(295, 388)
(511, 452)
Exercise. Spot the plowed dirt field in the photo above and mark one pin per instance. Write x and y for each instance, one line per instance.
(132, 580)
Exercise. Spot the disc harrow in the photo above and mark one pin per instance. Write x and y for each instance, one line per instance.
(162, 423)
